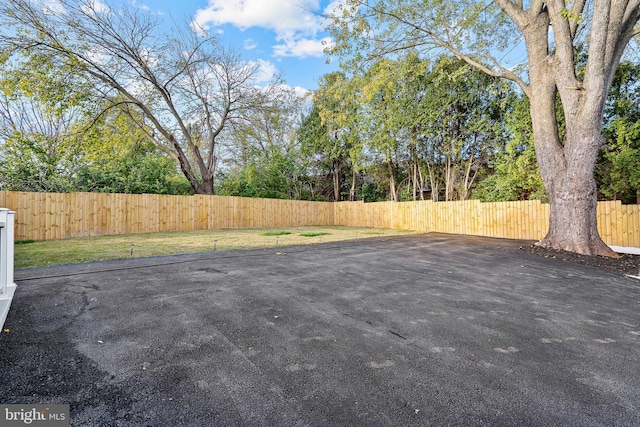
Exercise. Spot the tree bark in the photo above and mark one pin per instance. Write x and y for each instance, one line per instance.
(572, 222)
(567, 169)
(421, 176)
(336, 180)
(433, 181)
(392, 181)
(352, 191)
(208, 178)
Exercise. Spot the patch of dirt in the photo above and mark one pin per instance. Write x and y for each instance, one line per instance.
(626, 264)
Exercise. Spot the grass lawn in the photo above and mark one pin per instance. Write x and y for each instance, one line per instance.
(30, 254)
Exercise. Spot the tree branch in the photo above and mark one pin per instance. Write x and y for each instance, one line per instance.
(564, 45)
(440, 42)
(576, 15)
(515, 11)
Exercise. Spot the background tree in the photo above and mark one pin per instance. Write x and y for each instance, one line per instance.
(403, 118)
(50, 140)
(514, 173)
(482, 34)
(275, 174)
(117, 157)
(188, 89)
(264, 155)
(618, 168)
(40, 103)
(464, 115)
(275, 124)
(312, 136)
(412, 94)
(334, 139)
(381, 125)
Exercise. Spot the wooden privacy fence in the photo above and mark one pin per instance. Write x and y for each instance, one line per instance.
(618, 224)
(517, 220)
(44, 216)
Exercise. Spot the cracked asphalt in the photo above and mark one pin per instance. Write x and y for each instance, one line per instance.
(414, 330)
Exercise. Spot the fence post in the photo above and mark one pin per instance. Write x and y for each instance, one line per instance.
(7, 286)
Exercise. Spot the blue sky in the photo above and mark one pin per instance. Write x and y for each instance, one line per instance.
(281, 35)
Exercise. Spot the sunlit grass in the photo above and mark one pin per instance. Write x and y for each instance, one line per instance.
(103, 248)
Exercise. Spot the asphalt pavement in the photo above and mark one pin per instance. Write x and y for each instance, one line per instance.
(424, 330)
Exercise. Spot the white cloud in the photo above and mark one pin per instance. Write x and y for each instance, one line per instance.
(305, 95)
(95, 6)
(302, 48)
(296, 23)
(266, 71)
(334, 7)
(141, 6)
(278, 15)
(250, 44)
(52, 7)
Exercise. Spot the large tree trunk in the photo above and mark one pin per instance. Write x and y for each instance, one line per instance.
(566, 159)
(209, 185)
(572, 198)
(567, 171)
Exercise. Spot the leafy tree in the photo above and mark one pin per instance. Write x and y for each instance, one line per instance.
(271, 128)
(36, 162)
(188, 90)
(380, 98)
(313, 136)
(276, 175)
(40, 103)
(618, 169)
(484, 35)
(142, 170)
(410, 74)
(51, 143)
(265, 157)
(117, 157)
(410, 114)
(463, 123)
(514, 172)
(334, 137)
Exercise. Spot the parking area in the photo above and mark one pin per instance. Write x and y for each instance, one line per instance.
(414, 330)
